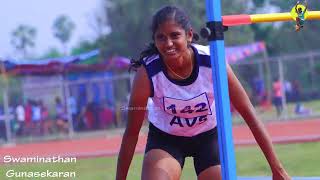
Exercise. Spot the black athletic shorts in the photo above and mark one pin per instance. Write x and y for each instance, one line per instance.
(203, 148)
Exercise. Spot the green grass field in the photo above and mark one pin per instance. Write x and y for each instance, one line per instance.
(271, 115)
(299, 160)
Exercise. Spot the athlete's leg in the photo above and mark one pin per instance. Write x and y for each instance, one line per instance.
(160, 165)
(206, 158)
(213, 172)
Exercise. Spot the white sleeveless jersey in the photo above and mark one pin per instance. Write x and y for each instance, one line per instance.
(182, 107)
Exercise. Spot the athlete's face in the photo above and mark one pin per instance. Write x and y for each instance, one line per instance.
(172, 40)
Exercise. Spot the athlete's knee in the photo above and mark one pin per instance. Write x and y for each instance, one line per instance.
(158, 164)
(212, 172)
(156, 174)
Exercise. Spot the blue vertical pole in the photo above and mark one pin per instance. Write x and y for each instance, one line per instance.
(220, 86)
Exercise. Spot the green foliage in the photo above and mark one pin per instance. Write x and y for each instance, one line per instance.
(129, 22)
(62, 28)
(317, 68)
(285, 40)
(83, 47)
(23, 37)
(51, 53)
(258, 3)
(13, 85)
(284, 5)
(239, 35)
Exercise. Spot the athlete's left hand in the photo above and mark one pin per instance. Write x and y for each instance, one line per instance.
(280, 174)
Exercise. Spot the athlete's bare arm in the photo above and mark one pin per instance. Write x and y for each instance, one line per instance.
(136, 112)
(241, 102)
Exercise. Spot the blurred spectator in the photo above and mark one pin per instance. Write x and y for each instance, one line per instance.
(3, 134)
(265, 104)
(89, 116)
(92, 116)
(301, 110)
(20, 116)
(72, 106)
(258, 89)
(106, 116)
(96, 115)
(61, 117)
(47, 125)
(296, 90)
(288, 90)
(277, 96)
(28, 116)
(81, 120)
(36, 118)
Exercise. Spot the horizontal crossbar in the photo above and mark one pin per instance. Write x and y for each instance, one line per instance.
(245, 19)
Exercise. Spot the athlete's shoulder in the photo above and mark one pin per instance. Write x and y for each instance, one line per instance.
(149, 59)
(202, 50)
(203, 55)
(152, 64)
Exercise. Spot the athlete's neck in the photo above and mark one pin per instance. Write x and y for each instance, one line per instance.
(181, 68)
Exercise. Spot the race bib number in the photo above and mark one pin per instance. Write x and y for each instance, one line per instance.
(194, 107)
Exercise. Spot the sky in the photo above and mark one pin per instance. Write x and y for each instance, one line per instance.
(41, 14)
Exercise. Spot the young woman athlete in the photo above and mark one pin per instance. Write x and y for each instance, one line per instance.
(176, 83)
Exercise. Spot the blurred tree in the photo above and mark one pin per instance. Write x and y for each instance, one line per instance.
(62, 29)
(284, 39)
(258, 3)
(97, 23)
(51, 53)
(240, 34)
(22, 38)
(84, 46)
(129, 22)
(317, 68)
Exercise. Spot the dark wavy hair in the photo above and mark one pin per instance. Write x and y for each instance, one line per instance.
(164, 14)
